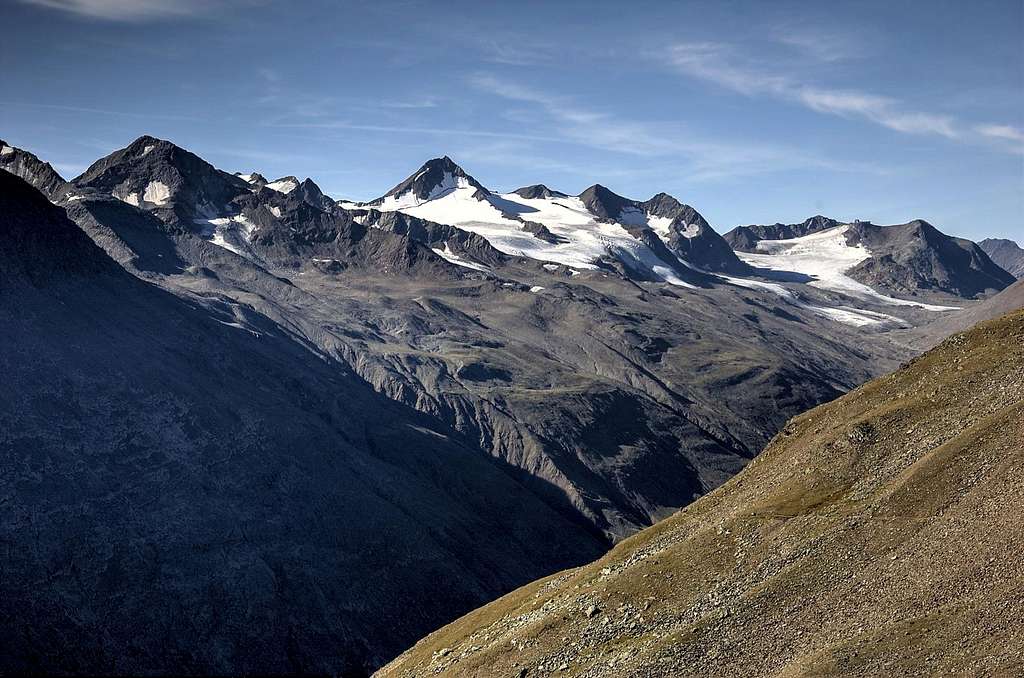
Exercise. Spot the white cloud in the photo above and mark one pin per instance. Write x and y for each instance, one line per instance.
(1012, 138)
(705, 159)
(821, 44)
(1007, 132)
(129, 10)
(714, 62)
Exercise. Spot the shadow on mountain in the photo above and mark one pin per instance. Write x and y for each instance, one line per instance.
(187, 490)
(782, 276)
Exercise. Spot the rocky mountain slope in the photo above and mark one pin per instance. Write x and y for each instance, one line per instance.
(745, 238)
(1005, 253)
(930, 334)
(185, 485)
(905, 260)
(875, 535)
(26, 165)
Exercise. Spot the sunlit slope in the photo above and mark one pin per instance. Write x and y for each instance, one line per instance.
(879, 534)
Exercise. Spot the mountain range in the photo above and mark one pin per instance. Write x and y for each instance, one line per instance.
(445, 384)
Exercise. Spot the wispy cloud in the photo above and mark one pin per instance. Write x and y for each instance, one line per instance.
(715, 62)
(820, 44)
(413, 129)
(1012, 137)
(704, 158)
(101, 111)
(426, 102)
(130, 10)
(1001, 132)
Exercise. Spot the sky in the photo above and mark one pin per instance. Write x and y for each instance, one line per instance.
(752, 112)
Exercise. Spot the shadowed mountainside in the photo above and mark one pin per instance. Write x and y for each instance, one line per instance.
(186, 487)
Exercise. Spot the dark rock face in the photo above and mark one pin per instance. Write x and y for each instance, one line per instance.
(37, 247)
(603, 203)
(208, 494)
(33, 170)
(692, 239)
(689, 238)
(425, 181)
(745, 238)
(917, 257)
(538, 191)
(312, 194)
(434, 235)
(158, 175)
(1006, 254)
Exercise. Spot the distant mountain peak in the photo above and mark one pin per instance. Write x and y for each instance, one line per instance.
(538, 191)
(39, 174)
(435, 178)
(604, 203)
(284, 184)
(155, 173)
(1006, 254)
(254, 178)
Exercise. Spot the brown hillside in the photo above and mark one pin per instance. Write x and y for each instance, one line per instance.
(879, 534)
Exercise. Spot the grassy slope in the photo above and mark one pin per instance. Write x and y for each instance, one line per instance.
(879, 534)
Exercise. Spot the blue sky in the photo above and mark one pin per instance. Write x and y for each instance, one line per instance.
(752, 112)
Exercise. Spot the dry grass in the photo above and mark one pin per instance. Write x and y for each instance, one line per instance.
(879, 534)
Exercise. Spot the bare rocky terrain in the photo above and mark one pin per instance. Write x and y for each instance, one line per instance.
(1006, 253)
(875, 535)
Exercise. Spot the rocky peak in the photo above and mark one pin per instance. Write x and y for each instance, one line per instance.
(538, 191)
(435, 178)
(255, 179)
(603, 203)
(39, 174)
(284, 184)
(152, 173)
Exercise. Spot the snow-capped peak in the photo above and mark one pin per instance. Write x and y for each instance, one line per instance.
(253, 178)
(284, 185)
(436, 178)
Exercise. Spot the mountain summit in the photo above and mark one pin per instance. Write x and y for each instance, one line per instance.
(40, 174)
(436, 178)
(156, 174)
(1007, 254)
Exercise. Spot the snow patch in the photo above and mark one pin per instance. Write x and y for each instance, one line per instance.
(536, 288)
(825, 256)
(283, 185)
(453, 258)
(232, 233)
(131, 198)
(586, 239)
(691, 231)
(448, 184)
(276, 211)
(157, 193)
(6, 150)
(551, 267)
(146, 150)
(857, 317)
(662, 226)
